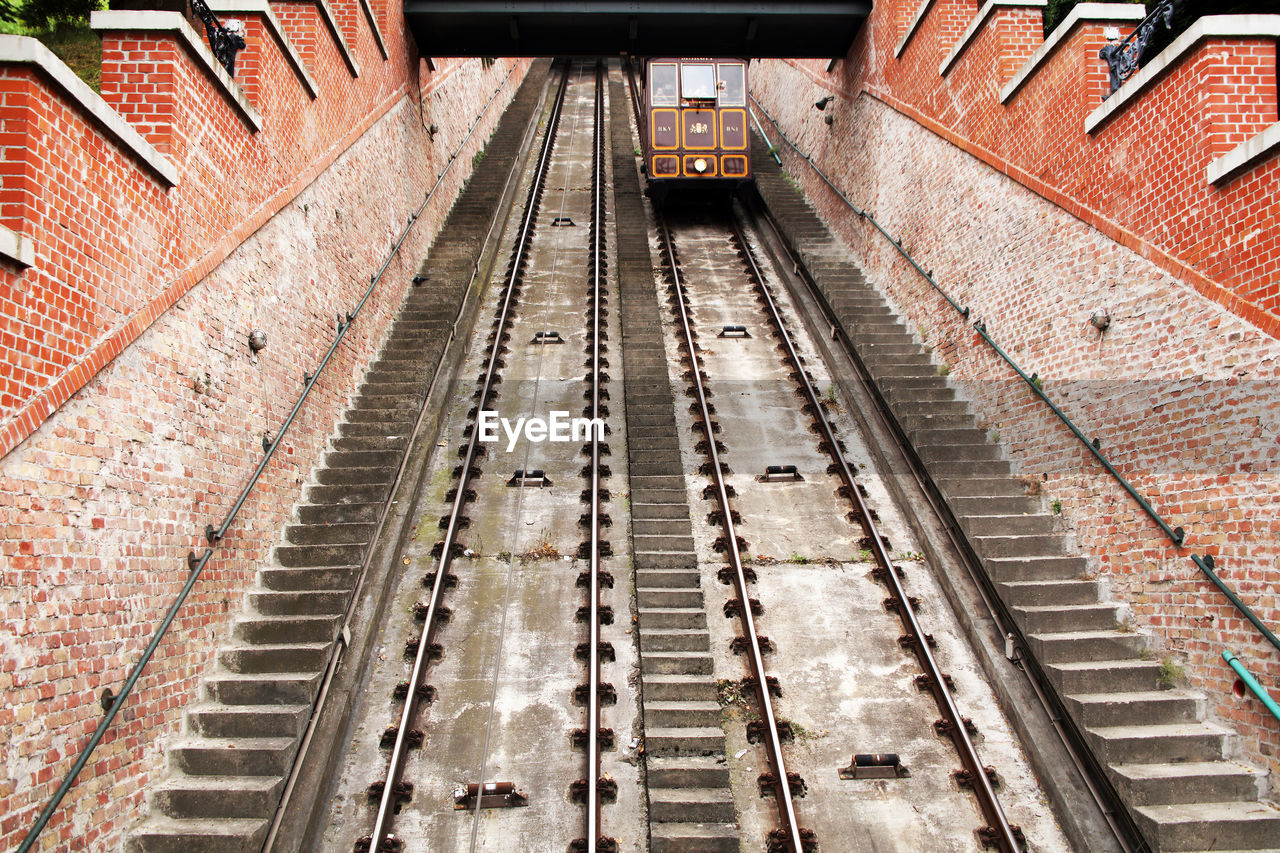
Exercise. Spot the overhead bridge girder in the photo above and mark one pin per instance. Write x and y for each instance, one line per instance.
(662, 28)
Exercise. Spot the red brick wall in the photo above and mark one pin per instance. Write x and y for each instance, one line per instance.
(132, 414)
(1036, 225)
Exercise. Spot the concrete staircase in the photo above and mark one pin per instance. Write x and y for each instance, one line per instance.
(1168, 763)
(228, 768)
(690, 804)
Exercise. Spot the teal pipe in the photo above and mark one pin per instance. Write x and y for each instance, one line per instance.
(1252, 683)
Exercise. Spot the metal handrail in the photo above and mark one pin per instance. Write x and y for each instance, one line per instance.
(1252, 683)
(214, 535)
(1176, 534)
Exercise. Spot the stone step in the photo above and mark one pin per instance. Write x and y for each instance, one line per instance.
(973, 452)
(658, 527)
(673, 617)
(1128, 676)
(302, 556)
(676, 663)
(702, 805)
(340, 533)
(681, 714)
(365, 493)
(371, 442)
(972, 486)
(283, 657)
(993, 505)
(1081, 617)
(946, 470)
(218, 797)
(1043, 545)
(663, 510)
(256, 756)
(686, 771)
(662, 544)
(652, 559)
(1019, 569)
(1210, 826)
(1152, 707)
(1048, 593)
(666, 597)
(1178, 742)
(1068, 646)
(307, 578)
(362, 476)
(1190, 782)
(238, 721)
(165, 835)
(704, 740)
(311, 602)
(671, 688)
(289, 688)
(1007, 525)
(683, 837)
(682, 578)
(674, 639)
(339, 513)
(363, 458)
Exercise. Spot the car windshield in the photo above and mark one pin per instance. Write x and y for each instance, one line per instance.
(697, 81)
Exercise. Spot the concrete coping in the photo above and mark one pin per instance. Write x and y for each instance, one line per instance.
(24, 50)
(173, 22)
(326, 12)
(263, 8)
(17, 248)
(377, 31)
(978, 22)
(912, 27)
(1250, 151)
(1082, 13)
(1213, 26)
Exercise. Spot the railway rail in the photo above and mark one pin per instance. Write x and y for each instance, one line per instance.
(997, 831)
(792, 837)
(393, 790)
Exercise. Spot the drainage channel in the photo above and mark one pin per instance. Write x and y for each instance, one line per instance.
(504, 589)
(823, 585)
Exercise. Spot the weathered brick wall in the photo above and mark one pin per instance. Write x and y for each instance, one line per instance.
(1014, 209)
(109, 479)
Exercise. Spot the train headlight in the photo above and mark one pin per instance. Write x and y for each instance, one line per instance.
(700, 165)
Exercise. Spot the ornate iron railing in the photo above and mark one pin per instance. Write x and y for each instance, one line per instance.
(223, 41)
(1122, 57)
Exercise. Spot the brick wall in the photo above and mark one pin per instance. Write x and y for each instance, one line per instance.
(1036, 224)
(132, 412)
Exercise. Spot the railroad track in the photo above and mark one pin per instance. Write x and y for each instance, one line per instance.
(396, 789)
(536, 709)
(789, 835)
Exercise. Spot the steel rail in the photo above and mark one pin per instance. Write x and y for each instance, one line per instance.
(593, 619)
(386, 804)
(982, 786)
(1090, 773)
(213, 535)
(773, 744)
